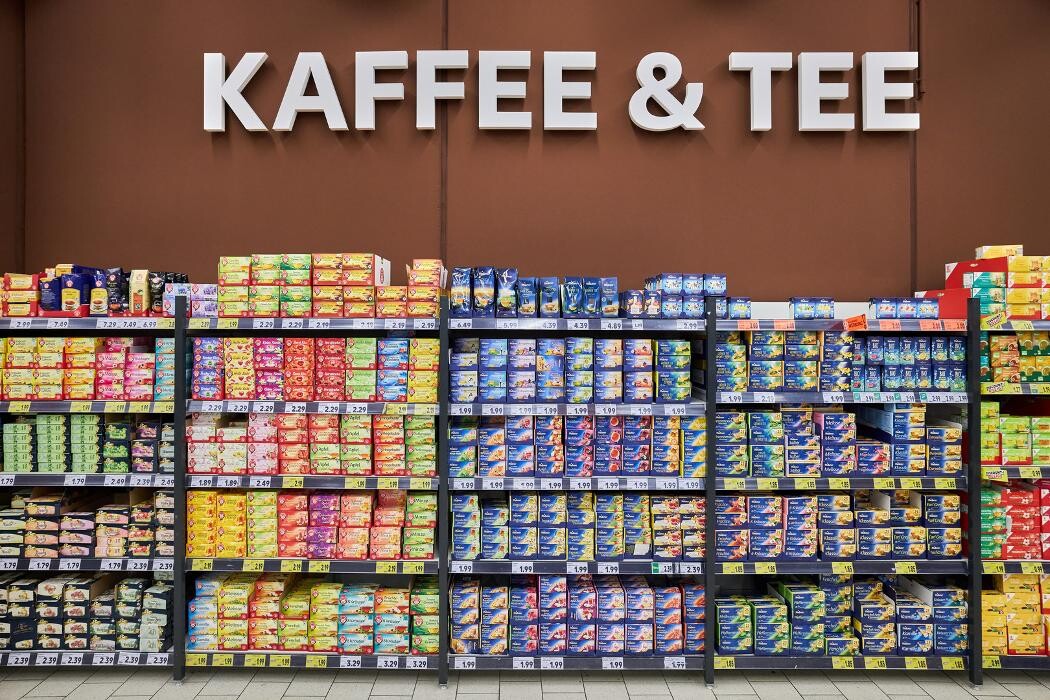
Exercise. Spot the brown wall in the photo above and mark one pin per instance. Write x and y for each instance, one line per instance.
(12, 16)
(120, 171)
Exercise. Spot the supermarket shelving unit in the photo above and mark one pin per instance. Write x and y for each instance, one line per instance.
(313, 328)
(696, 331)
(95, 326)
(995, 390)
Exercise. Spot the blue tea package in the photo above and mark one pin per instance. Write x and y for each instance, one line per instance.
(549, 297)
(506, 292)
(591, 297)
(609, 297)
(572, 297)
(527, 300)
(484, 291)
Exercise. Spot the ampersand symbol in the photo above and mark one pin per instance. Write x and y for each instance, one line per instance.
(679, 114)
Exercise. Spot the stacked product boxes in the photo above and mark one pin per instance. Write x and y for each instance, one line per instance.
(576, 616)
(577, 446)
(268, 612)
(1013, 440)
(837, 616)
(76, 291)
(1014, 522)
(1014, 615)
(315, 525)
(1013, 358)
(578, 526)
(1008, 283)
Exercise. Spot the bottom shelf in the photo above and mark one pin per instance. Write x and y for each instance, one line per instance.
(281, 659)
(26, 659)
(878, 663)
(463, 662)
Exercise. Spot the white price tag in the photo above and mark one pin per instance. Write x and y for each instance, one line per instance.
(47, 659)
(641, 410)
(127, 658)
(57, 323)
(460, 323)
(866, 397)
(519, 409)
(7, 480)
(263, 324)
(227, 482)
(663, 567)
(833, 396)
(690, 484)
(396, 324)
(605, 409)
(165, 482)
(201, 482)
(522, 567)
(545, 409)
(611, 324)
(23, 323)
(69, 565)
(606, 484)
(548, 324)
(525, 484)
(506, 323)
(211, 406)
(367, 324)
(417, 663)
(612, 567)
(387, 662)
(259, 482)
(489, 484)
(550, 484)
(20, 659)
(74, 480)
(612, 663)
(552, 663)
(639, 484)
(156, 659)
(674, 409)
(577, 324)
(8, 564)
(356, 409)
(462, 484)
(262, 407)
(163, 565)
(688, 324)
(579, 484)
(103, 659)
(426, 324)
(319, 324)
(461, 567)
(115, 480)
(765, 397)
(39, 564)
(465, 663)
(730, 397)
(459, 409)
(492, 409)
(139, 480)
(238, 406)
(523, 663)
(574, 409)
(292, 324)
(110, 565)
(674, 663)
(576, 567)
(294, 407)
(138, 565)
(76, 659)
(349, 662)
(670, 484)
(690, 568)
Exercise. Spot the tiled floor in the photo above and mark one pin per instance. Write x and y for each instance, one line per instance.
(130, 684)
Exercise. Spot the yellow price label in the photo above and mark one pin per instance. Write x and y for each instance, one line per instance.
(993, 474)
(314, 661)
(255, 661)
(412, 567)
(425, 409)
(1031, 567)
(387, 482)
(201, 564)
(252, 565)
(292, 565)
(994, 567)
(1030, 472)
(139, 406)
(196, 659)
(952, 663)
(292, 482)
(319, 567)
(875, 663)
(80, 407)
(18, 406)
(1043, 388)
(226, 323)
(222, 660)
(280, 661)
(354, 482)
(766, 484)
(732, 568)
(386, 567)
(726, 662)
(163, 406)
(838, 483)
(806, 484)
(911, 483)
(419, 484)
(395, 409)
(765, 567)
(842, 662)
(884, 483)
(115, 407)
(944, 483)
(916, 663)
(198, 323)
(165, 323)
(734, 484)
(905, 567)
(1022, 325)
(842, 567)
(992, 662)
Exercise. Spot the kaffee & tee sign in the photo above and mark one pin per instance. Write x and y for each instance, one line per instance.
(222, 90)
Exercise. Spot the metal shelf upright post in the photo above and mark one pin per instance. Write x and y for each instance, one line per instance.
(443, 520)
(973, 483)
(710, 488)
(179, 623)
